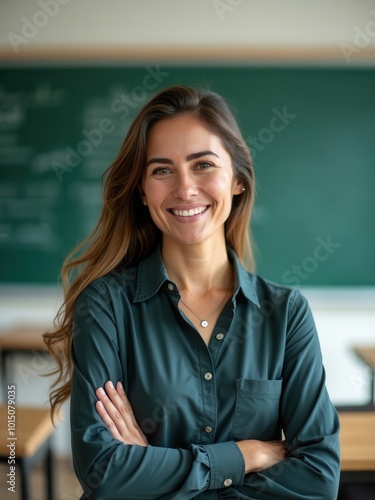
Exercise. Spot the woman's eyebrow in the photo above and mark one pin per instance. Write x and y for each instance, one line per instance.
(192, 156)
(159, 160)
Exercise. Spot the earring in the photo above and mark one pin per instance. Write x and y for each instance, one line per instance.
(243, 189)
(145, 202)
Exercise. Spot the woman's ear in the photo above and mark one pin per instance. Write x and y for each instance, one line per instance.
(142, 194)
(238, 187)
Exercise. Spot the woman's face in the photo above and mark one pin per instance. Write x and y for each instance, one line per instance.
(188, 182)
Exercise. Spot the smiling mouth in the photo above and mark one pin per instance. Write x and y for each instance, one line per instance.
(188, 213)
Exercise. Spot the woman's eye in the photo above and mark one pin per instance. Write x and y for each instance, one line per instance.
(204, 165)
(161, 171)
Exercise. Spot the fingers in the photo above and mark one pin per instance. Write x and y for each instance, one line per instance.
(276, 448)
(116, 412)
(276, 451)
(108, 421)
(284, 448)
(120, 400)
(281, 450)
(128, 407)
(120, 403)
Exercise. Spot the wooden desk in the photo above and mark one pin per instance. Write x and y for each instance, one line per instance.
(20, 338)
(23, 338)
(33, 427)
(367, 355)
(357, 441)
(33, 430)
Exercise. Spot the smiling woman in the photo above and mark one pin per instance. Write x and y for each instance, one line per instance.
(184, 368)
(189, 192)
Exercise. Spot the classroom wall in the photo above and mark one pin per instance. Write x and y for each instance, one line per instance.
(196, 23)
(344, 316)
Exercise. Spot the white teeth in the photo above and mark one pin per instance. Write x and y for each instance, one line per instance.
(189, 213)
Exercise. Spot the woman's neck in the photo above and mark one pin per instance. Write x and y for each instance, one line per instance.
(198, 268)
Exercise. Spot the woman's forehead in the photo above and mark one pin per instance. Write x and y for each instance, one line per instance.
(182, 132)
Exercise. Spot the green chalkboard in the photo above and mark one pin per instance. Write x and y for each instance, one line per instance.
(311, 131)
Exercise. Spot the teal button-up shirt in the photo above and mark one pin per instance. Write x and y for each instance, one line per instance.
(261, 374)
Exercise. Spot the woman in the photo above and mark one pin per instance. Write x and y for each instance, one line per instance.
(186, 368)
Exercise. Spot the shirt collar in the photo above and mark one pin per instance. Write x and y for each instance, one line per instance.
(152, 274)
(244, 280)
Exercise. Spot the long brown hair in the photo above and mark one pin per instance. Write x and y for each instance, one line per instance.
(125, 232)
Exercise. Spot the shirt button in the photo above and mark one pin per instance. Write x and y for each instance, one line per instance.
(227, 482)
(208, 376)
(170, 287)
(208, 429)
(220, 336)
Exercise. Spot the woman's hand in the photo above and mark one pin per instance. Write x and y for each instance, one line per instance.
(116, 412)
(260, 455)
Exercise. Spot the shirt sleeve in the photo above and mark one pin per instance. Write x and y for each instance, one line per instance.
(310, 422)
(109, 469)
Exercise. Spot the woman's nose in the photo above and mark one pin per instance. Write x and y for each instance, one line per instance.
(185, 186)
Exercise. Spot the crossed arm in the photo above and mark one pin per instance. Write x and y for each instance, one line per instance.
(117, 414)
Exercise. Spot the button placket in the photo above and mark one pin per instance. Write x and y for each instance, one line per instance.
(209, 395)
(221, 332)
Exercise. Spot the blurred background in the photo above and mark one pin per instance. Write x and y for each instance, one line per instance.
(300, 78)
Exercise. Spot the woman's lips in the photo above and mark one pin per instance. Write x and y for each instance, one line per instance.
(188, 212)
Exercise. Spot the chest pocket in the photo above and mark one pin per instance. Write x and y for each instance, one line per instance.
(256, 414)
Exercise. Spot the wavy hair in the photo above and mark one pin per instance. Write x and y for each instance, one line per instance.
(125, 232)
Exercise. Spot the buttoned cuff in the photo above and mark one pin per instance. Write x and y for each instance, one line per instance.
(226, 463)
